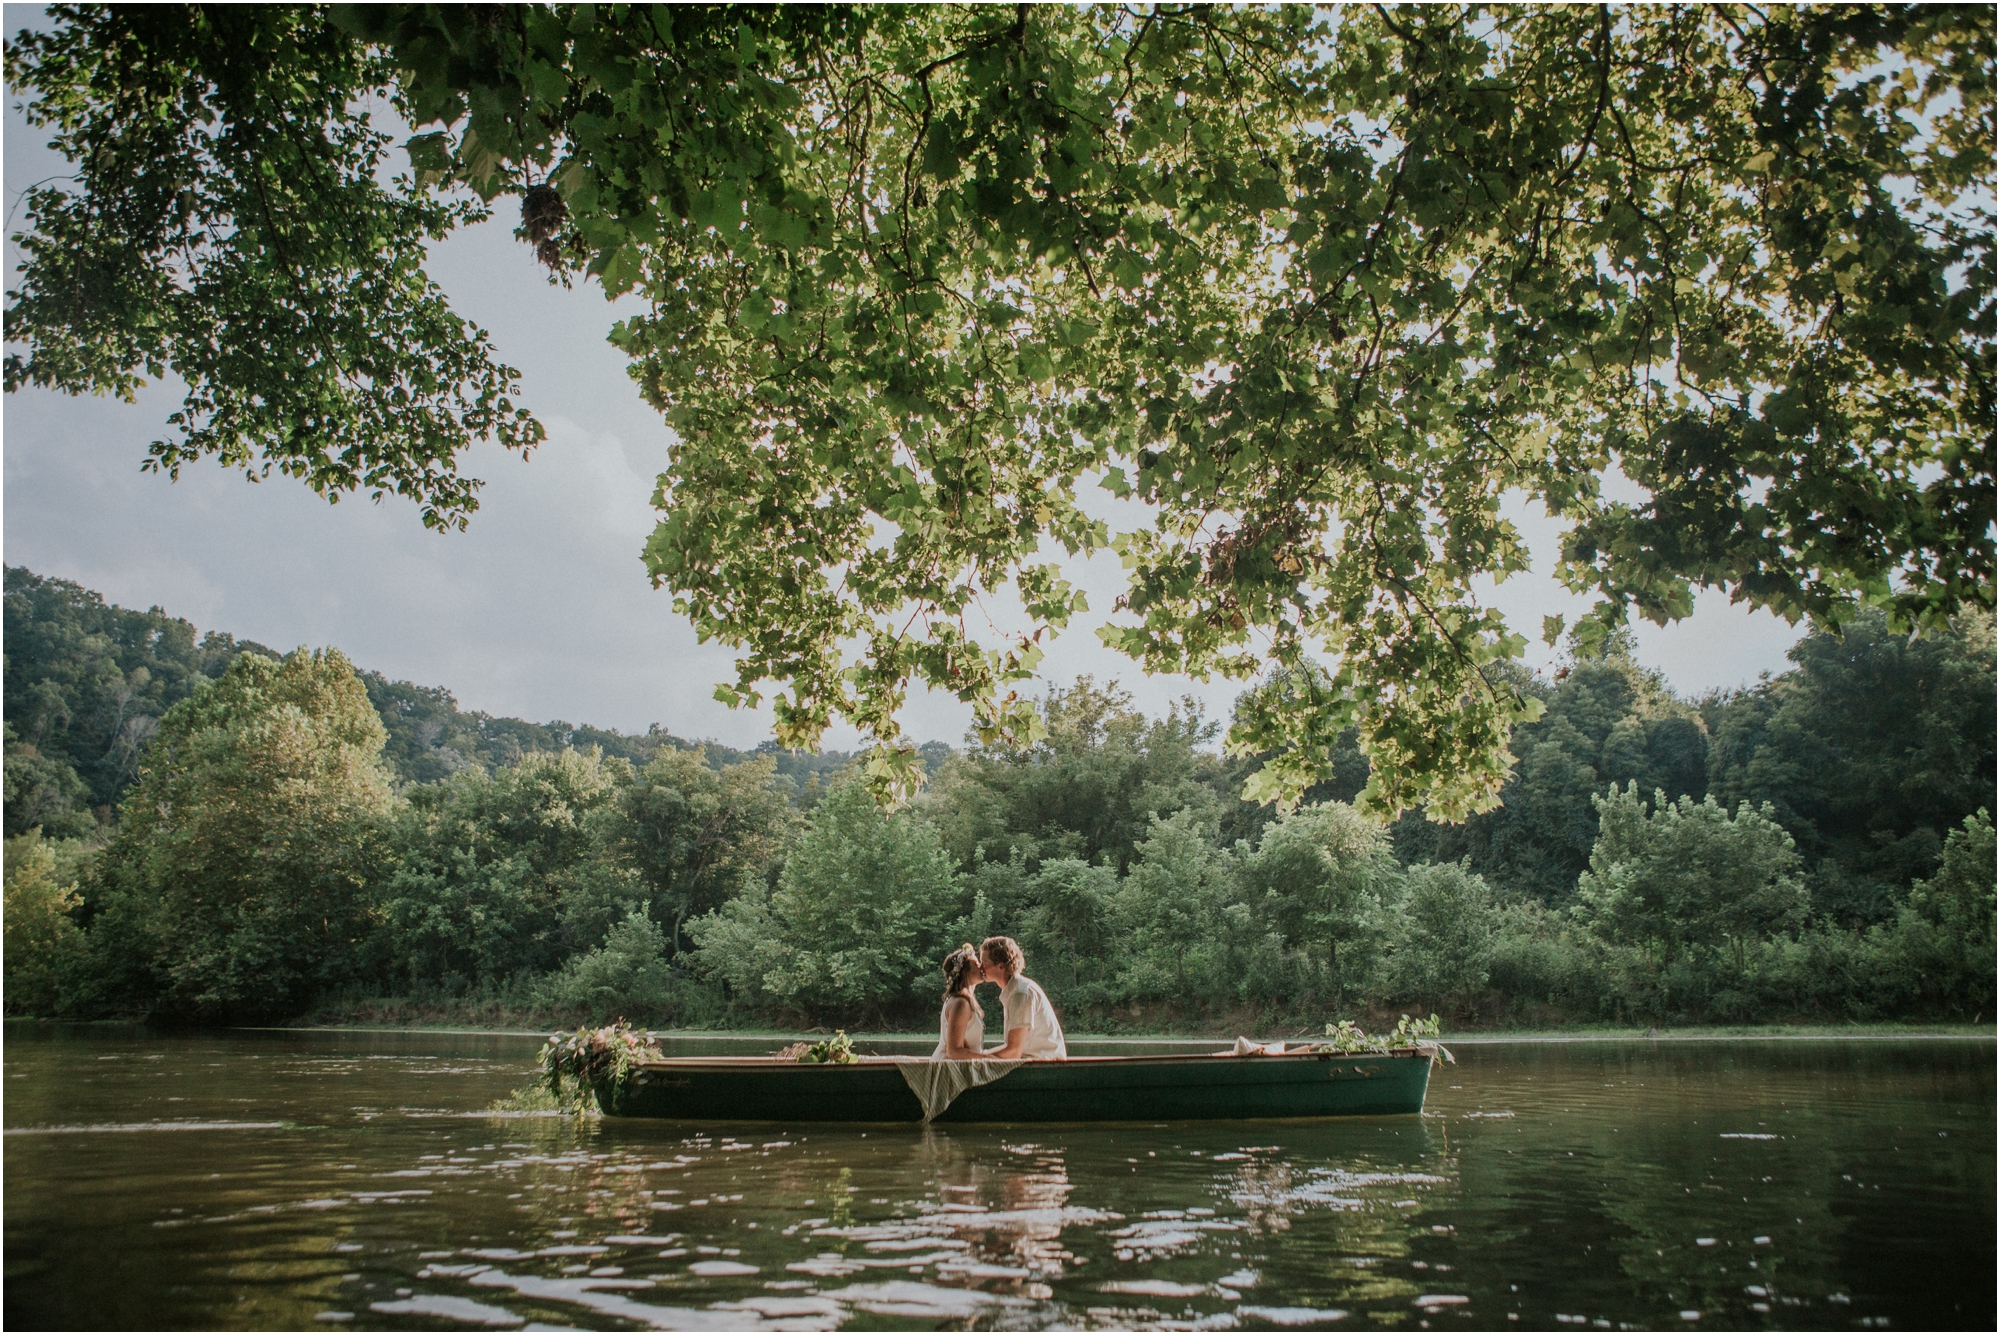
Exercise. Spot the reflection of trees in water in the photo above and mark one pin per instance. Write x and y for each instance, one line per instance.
(1357, 1197)
(1637, 1160)
(1012, 1214)
(1263, 1188)
(1639, 1167)
(1357, 1211)
(568, 1175)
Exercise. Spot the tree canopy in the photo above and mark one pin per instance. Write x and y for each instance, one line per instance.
(244, 851)
(1322, 290)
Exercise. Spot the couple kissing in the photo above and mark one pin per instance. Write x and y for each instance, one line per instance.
(1030, 1021)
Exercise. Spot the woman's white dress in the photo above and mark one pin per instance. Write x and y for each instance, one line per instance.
(944, 1029)
(938, 1079)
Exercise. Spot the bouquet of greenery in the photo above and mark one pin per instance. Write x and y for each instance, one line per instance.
(590, 1055)
(1347, 1037)
(838, 1050)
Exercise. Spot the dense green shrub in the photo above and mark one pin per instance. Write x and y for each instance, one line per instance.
(1545, 963)
(1318, 879)
(1938, 957)
(862, 914)
(1088, 790)
(1688, 873)
(42, 943)
(1068, 932)
(1825, 972)
(691, 833)
(236, 887)
(629, 976)
(481, 863)
(1442, 946)
(1687, 889)
(1178, 920)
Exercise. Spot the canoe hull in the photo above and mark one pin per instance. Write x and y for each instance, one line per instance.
(1148, 1089)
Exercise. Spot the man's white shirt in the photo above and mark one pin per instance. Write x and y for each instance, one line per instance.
(1026, 1006)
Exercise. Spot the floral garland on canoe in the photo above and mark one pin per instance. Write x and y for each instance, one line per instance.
(1347, 1037)
(588, 1056)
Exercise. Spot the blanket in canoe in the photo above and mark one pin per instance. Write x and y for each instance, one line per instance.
(936, 1082)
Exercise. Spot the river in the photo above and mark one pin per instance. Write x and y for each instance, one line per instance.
(328, 1179)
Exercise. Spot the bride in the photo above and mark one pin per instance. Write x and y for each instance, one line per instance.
(962, 1025)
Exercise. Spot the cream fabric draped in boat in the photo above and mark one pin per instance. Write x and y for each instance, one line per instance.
(937, 1081)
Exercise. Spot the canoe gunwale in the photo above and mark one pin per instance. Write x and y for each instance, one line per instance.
(780, 1063)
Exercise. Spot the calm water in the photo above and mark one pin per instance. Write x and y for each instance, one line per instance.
(289, 1180)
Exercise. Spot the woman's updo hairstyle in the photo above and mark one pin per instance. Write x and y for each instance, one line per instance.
(958, 964)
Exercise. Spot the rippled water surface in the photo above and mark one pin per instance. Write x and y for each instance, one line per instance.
(303, 1179)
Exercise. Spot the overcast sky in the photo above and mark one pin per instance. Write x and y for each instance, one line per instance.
(542, 610)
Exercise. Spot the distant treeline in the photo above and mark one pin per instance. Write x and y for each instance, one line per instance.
(205, 833)
(87, 682)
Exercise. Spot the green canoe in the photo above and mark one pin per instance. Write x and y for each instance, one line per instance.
(1082, 1089)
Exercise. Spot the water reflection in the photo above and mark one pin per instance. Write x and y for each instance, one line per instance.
(996, 1228)
(284, 1180)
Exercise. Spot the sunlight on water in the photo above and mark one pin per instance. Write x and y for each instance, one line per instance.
(353, 1180)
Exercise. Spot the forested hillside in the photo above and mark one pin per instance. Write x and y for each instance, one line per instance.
(85, 686)
(86, 683)
(204, 833)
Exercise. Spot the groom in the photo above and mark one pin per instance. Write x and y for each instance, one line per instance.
(1030, 1023)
